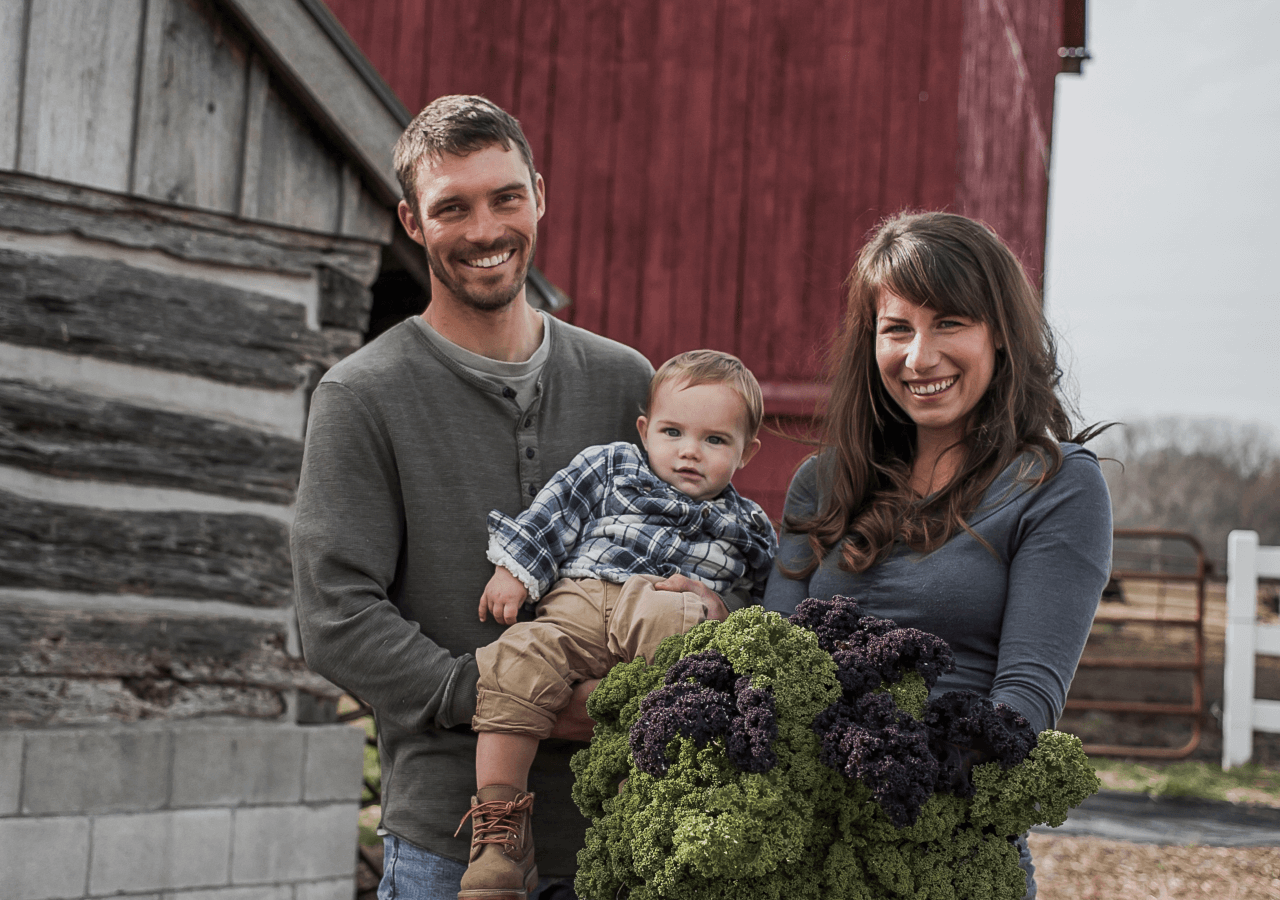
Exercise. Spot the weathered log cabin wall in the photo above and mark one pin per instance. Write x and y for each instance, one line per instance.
(183, 251)
(190, 224)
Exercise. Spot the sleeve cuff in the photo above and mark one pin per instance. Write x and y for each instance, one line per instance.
(461, 698)
(500, 557)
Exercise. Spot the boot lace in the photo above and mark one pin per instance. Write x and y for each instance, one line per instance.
(496, 821)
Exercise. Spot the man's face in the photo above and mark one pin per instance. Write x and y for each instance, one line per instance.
(477, 218)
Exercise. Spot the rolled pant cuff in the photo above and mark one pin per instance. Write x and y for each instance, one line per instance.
(510, 715)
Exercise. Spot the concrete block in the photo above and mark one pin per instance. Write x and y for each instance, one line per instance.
(10, 772)
(334, 889)
(335, 763)
(41, 859)
(96, 770)
(294, 843)
(260, 892)
(159, 851)
(235, 765)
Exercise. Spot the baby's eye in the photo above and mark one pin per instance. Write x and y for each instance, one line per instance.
(716, 439)
(671, 432)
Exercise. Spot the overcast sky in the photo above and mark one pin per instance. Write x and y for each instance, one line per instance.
(1163, 270)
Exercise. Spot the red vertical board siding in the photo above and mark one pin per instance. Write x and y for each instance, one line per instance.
(663, 203)
(760, 222)
(571, 138)
(867, 126)
(409, 46)
(898, 187)
(828, 258)
(687, 276)
(727, 187)
(939, 126)
(596, 173)
(535, 88)
(713, 168)
(1006, 109)
(630, 232)
(805, 93)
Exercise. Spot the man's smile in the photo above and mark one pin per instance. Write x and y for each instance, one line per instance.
(488, 262)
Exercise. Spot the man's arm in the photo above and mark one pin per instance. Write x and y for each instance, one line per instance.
(346, 544)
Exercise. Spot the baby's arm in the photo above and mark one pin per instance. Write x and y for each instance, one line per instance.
(503, 596)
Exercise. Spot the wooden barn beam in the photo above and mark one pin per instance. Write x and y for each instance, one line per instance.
(340, 95)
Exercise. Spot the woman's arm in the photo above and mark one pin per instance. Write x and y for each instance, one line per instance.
(783, 594)
(1060, 564)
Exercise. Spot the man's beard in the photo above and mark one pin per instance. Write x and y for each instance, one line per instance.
(499, 297)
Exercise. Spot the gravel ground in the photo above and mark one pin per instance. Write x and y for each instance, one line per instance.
(1090, 868)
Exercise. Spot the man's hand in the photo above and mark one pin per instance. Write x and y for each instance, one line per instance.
(681, 583)
(573, 723)
(502, 596)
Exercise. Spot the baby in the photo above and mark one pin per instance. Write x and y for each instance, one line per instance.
(592, 550)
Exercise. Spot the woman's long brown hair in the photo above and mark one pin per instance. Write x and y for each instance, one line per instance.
(954, 266)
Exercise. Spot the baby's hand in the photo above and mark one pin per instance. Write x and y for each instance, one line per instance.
(503, 596)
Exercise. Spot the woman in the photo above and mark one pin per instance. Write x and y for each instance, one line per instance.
(950, 493)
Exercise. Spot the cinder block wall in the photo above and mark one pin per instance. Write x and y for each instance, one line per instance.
(180, 811)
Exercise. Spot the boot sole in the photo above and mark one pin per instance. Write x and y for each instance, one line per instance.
(501, 893)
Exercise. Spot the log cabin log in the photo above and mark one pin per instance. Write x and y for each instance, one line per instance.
(212, 556)
(70, 434)
(58, 642)
(36, 702)
(113, 311)
(35, 206)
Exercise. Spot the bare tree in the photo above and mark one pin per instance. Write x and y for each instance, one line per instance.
(1203, 476)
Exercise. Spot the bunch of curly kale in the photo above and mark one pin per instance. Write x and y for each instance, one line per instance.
(771, 758)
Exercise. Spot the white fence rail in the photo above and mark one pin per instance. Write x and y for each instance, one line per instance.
(1242, 713)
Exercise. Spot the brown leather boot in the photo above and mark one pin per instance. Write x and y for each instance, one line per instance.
(501, 865)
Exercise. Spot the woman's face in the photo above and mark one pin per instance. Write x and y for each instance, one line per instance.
(935, 367)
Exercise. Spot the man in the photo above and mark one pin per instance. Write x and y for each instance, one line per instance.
(411, 442)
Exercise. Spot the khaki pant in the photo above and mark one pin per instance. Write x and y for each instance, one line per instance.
(583, 628)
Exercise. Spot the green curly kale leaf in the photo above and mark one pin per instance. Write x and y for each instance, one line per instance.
(776, 759)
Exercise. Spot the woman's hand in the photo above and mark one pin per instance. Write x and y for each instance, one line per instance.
(683, 583)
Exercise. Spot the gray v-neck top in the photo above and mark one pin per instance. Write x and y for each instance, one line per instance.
(1016, 620)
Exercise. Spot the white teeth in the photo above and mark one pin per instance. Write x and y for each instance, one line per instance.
(490, 261)
(924, 390)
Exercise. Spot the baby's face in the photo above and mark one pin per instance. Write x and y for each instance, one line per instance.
(696, 437)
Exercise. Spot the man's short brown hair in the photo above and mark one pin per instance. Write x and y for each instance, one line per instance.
(457, 124)
(713, 367)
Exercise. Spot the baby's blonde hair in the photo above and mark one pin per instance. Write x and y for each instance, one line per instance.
(712, 367)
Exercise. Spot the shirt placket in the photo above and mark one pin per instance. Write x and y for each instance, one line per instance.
(528, 452)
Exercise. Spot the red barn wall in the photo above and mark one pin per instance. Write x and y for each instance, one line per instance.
(713, 167)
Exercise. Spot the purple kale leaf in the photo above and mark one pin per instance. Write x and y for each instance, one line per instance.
(870, 740)
(892, 651)
(753, 730)
(705, 699)
(831, 620)
(686, 709)
(966, 730)
(710, 668)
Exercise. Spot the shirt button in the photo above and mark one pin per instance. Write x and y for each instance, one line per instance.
(508, 392)
(706, 513)
(528, 423)
(529, 452)
(533, 491)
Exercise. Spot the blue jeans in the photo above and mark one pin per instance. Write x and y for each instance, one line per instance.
(1024, 860)
(411, 873)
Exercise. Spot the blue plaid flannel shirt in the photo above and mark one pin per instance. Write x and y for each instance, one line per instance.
(607, 516)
